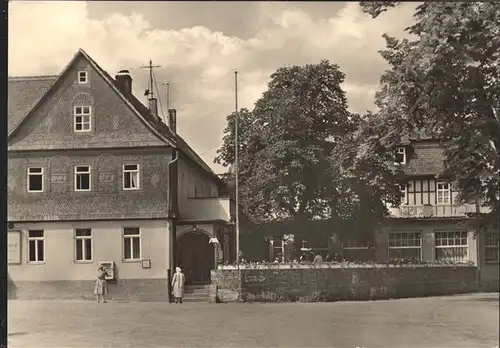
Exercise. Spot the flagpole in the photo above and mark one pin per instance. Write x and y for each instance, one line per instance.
(236, 169)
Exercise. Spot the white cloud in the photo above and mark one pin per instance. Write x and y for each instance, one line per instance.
(43, 36)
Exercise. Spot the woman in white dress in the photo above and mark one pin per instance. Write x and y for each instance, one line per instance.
(178, 285)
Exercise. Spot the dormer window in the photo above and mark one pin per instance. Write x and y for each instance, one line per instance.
(400, 155)
(82, 119)
(83, 77)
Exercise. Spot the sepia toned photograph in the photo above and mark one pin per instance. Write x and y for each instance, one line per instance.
(251, 174)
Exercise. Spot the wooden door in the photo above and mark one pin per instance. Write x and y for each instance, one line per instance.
(196, 257)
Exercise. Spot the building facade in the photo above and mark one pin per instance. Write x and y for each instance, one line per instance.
(429, 225)
(95, 177)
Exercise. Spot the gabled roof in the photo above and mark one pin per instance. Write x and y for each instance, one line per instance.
(26, 93)
(425, 160)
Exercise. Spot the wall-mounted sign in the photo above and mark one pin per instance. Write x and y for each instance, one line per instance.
(14, 247)
(109, 267)
(146, 263)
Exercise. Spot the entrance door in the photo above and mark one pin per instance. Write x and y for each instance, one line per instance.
(196, 257)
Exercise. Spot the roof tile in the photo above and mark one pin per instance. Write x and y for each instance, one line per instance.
(23, 93)
(425, 160)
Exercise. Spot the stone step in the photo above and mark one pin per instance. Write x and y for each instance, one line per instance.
(197, 291)
(192, 298)
(197, 286)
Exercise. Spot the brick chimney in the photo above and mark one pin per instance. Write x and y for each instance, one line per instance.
(172, 120)
(153, 107)
(124, 81)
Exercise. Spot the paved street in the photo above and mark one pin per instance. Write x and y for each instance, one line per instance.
(456, 321)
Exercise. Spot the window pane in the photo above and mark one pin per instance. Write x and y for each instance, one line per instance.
(79, 249)
(40, 250)
(86, 110)
(128, 180)
(82, 169)
(406, 253)
(491, 239)
(136, 247)
(451, 254)
(83, 181)
(88, 249)
(35, 234)
(126, 248)
(130, 231)
(78, 110)
(130, 167)
(491, 254)
(35, 182)
(32, 250)
(35, 170)
(134, 180)
(81, 232)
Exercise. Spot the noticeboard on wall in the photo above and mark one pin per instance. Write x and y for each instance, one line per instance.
(109, 267)
(14, 247)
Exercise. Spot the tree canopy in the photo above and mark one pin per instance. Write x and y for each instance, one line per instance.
(301, 155)
(446, 82)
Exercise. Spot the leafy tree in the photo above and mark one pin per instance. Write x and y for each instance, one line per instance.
(446, 81)
(300, 155)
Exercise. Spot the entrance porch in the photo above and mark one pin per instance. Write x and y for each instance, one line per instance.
(201, 247)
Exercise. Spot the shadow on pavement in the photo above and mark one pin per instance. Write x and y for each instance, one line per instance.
(17, 334)
(491, 297)
(486, 299)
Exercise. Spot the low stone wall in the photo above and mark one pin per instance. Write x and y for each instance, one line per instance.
(122, 290)
(333, 283)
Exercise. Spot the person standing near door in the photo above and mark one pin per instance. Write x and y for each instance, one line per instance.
(178, 281)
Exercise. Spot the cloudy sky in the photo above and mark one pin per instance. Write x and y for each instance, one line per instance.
(200, 44)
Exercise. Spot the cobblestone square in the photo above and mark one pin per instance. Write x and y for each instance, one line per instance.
(455, 321)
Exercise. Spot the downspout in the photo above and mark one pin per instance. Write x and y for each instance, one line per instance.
(172, 215)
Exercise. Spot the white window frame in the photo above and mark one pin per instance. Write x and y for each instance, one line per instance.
(89, 172)
(415, 236)
(442, 191)
(449, 237)
(401, 150)
(404, 191)
(131, 237)
(137, 171)
(488, 245)
(84, 249)
(36, 239)
(278, 243)
(82, 115)
(41, 173)
(85, 79)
